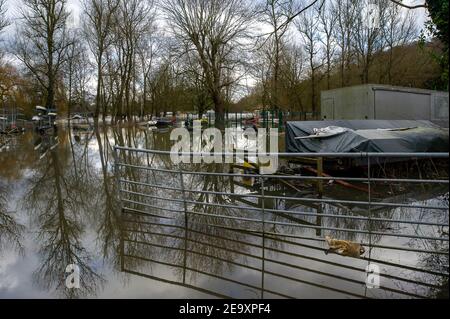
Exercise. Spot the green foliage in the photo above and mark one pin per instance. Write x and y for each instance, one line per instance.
(439, 15)
(437, 27)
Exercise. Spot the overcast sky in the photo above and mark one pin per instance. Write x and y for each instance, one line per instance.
(75, 7)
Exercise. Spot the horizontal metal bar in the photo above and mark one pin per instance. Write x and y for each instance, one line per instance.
(367, 232)
(350, 280)
(204, 273)
(236, 281)
(332, 155)
(275, 235)
(152, 196)
(171, 282)
(140, 212)
(405, 249)
(373, 219)
(305, 199)
(254, 233)
(290, 177)
(265, 234)
(152, 206)
(276, 261)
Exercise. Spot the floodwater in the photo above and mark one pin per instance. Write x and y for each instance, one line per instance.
(60, 205)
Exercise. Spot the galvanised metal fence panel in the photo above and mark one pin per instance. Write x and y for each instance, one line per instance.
(197, 215)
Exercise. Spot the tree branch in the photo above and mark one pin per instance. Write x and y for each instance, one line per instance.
(418, 6)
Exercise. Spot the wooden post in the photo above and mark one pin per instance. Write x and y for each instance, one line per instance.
(320, 174)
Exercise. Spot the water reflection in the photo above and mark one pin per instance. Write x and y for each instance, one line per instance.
(58, 201)
(225, 246)
(10, 229)
(109, 205)
(215, 231)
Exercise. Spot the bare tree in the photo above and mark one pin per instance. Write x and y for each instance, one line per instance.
(367, 34)
(308, 26)
(328, 22)
(293, 67)
(77, 75)
(134, 22)
(148, 50)
(212, 30)
(274, 14)
(98, 24)
(42, 43)
(4, 22)
(398, 29)
(345, 12)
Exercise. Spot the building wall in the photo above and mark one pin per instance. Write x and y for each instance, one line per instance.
(383, 102)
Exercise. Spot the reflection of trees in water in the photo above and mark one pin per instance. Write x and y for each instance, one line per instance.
(16, 157)
(59, 198)
(10, 230)
(208, 249)
(109, 211)
(111, 219)
(206, 238)
(206, 241)
(382, 217)
(440, 263)
(213, 237)
(433, 261)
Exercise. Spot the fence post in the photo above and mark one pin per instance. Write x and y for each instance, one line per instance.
(119, 195)
(185, 225)
(369, 207)
(319, 194)
(263, 217)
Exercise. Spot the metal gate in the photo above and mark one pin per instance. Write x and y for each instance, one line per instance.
(233, 233)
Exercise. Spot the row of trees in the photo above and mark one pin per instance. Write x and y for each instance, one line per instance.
(334, 44)
(139, 57)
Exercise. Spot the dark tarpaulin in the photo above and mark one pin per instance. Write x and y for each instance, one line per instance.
(368, 136)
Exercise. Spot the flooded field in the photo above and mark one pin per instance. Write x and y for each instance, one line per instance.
(135, 234)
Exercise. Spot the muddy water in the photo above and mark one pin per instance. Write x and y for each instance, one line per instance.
(59, 205)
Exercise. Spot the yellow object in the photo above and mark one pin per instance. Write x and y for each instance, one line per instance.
(345, 248)
(248, 165)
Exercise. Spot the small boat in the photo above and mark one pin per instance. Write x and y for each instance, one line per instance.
(148, 124)
(41, 108)
(163, 122)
